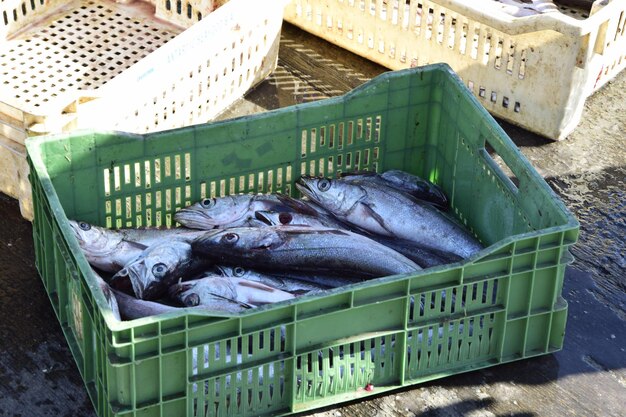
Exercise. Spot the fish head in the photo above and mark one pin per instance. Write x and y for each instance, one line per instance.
(239, 272)
(184, 293)
(336, 196)
(210, 213)
(203, 291)
(93, 239)
(150, 272)
(241, 240)
(272, 218)
(233, 271)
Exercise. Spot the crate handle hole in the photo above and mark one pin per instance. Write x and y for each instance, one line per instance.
(500, 169)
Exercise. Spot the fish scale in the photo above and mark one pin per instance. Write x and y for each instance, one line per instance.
(389, 212)
(289, 248)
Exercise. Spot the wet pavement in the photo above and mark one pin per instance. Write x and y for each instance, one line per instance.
(586, 378)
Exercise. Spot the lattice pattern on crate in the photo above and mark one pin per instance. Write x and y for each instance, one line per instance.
(453, 342)
(16, 14)
(461, 299)
(506, 184)
(185, 12)
(346, 368)
(614, 35)
(453, 33)
(82, 49)
(427, 20)
(575, 12)
(124, 207)
(343, 135)
(225, 385)
(199, 92)
(273, 180)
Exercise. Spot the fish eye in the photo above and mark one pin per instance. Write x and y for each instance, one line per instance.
(323, 184)
(158, 270)
(192, 300)
(239, 271)
(207, 202)
(84, 226)
(230, 238)
(285, 218)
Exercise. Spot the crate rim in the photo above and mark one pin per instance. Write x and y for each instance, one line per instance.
(513, 25)
(34, 156)
(104, 91)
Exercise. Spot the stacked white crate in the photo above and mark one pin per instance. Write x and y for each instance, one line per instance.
(132, 66)
(535, 72)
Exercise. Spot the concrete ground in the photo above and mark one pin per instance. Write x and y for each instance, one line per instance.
(587, 378)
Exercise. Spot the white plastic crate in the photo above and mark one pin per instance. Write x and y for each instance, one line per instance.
(14, 175)
(132, 66)
(535, 72)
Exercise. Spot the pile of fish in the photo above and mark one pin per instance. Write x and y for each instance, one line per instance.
(522, 8)
(516, 8)
(238, 252)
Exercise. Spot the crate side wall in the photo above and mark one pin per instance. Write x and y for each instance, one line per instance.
(16, 15)
(518, 77)
(392, 332)
(176, 86)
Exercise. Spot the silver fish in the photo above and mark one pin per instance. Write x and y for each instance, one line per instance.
(403, 181)
(289, 248)
(232, 294)
(108, 295)
(109, 250)
(274, 218)
(234, 210)
(423, 256)
(389, 212)
(132, 308)
(152, 235)
(158, 267)
(282, 283)
(104, 249)
(523, 8)
(417, 187)
(329, 279)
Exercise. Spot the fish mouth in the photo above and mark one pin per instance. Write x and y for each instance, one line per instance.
(153, 290)
(181, 293)
(78, 232)
(303, 185)
(177, 289)
(74, 225)
(209, 244)
(194, 219)
(134, 274)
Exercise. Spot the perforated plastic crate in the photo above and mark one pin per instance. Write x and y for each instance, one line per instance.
(500, 305)
(134, 66)
(535, 72)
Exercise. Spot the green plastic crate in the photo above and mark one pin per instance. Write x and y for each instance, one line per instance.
(501, 305)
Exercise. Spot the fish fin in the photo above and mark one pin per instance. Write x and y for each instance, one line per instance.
(308, 230)
(368, 210)
(241, 303)
(358, 174)
(256, 286)
(136, 245)
(294, 205)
